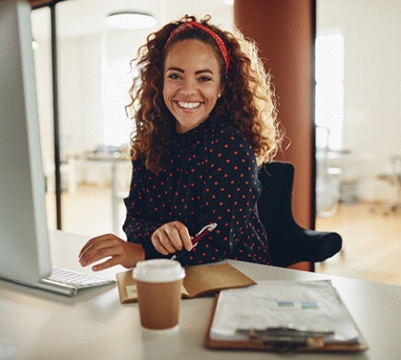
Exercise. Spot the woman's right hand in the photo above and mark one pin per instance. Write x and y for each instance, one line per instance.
(171, 237)
(110, 250)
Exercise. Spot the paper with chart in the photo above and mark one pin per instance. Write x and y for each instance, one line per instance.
(307, 305)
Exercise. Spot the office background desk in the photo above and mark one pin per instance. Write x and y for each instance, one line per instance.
(94, 325)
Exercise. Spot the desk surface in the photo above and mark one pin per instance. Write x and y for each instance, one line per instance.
(94, 325)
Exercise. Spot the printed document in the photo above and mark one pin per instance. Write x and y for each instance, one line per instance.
(307, 305)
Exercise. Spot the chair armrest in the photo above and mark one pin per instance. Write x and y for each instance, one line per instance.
(293, 244)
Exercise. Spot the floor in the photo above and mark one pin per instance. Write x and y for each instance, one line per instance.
(86, 211)
(371, 243)
(371, 240)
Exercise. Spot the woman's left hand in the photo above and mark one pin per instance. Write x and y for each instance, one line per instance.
(171, 237)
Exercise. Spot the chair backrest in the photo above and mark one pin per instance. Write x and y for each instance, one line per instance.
(288, 242)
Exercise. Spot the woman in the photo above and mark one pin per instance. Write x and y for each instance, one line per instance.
(205, 121)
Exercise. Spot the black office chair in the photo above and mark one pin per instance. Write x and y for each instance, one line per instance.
(288, 242)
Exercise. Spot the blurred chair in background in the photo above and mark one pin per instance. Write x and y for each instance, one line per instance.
(394, 178)
(327, 178)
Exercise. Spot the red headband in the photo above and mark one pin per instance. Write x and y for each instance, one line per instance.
(191, 25)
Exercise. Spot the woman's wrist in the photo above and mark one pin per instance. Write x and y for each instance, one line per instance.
(137, 253)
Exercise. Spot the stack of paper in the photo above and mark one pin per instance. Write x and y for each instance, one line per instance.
(309, 305)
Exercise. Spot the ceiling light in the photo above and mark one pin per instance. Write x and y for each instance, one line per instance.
(130, 20)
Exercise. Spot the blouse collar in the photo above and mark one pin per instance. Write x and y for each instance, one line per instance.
(192, 137)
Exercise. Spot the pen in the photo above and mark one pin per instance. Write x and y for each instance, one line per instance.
(206, 230)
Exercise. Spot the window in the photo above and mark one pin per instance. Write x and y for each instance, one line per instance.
(329, 86)
(116, 84)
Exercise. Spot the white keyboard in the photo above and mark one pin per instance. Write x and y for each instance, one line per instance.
(76, 279)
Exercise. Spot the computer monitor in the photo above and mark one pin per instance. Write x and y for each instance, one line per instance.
(24, 252)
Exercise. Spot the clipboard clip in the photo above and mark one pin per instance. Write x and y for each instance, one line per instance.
(286, 338)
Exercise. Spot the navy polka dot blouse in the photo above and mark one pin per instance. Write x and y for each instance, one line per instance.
(210, 176)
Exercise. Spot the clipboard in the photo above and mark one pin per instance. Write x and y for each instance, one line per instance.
(282, 339)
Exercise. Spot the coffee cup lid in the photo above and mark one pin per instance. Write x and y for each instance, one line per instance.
(158, 270)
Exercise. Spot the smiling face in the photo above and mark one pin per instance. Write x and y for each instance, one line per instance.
(191, 83)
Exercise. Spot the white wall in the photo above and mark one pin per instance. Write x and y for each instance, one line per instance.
(372, 84)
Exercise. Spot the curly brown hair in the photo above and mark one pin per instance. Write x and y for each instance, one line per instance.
(247, 100)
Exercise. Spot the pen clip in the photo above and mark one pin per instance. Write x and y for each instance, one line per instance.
(208, 227)
(198, 236)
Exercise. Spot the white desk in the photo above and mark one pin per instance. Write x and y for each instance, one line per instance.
(94, 325)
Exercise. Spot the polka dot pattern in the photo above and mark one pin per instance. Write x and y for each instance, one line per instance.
(210, 176)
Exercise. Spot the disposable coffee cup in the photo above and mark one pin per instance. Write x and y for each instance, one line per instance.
(159, 283)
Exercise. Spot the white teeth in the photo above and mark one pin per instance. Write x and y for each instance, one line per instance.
(189, 105)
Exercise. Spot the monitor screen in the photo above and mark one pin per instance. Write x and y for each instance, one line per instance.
(24, 253)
